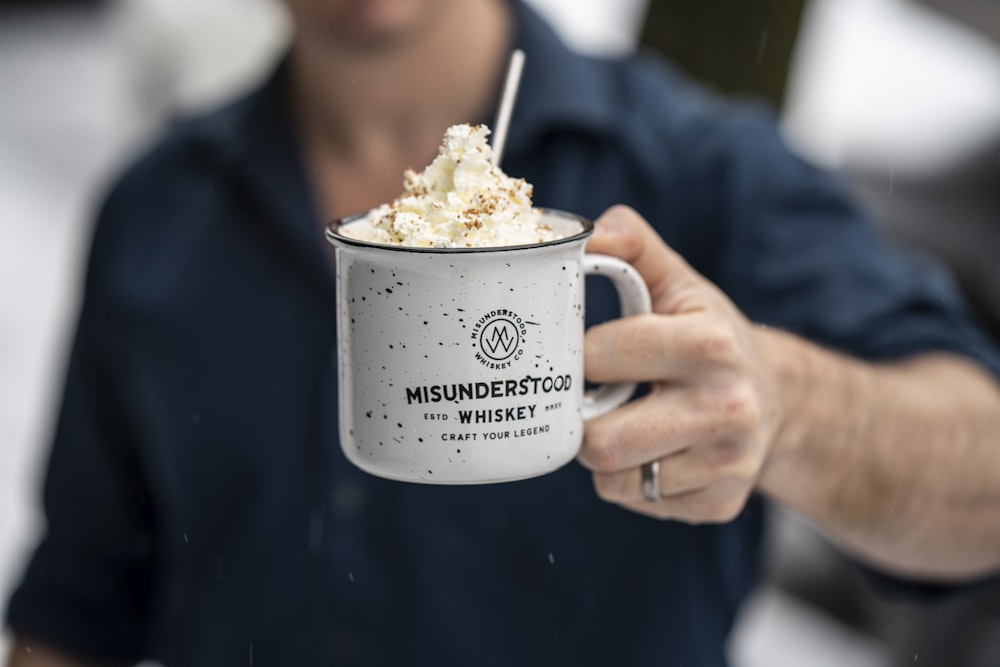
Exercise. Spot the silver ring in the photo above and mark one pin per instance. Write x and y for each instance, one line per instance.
(651, 481)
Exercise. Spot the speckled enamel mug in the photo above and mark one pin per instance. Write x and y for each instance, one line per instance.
(465, 366)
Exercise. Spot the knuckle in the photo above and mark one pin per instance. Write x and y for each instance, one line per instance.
(729, 459)
(739, 404)
(606, 459)
(717, 345)
(600, 451)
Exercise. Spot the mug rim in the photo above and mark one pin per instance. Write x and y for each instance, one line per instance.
(333, 235)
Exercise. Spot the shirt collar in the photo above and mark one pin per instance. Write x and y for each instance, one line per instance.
(256, 143)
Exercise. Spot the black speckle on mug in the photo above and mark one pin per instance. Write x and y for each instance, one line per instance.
(368, 414)
(399, 425)
(388, 290)
(420, 439)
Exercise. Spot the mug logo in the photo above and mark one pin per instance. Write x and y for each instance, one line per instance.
(498, 337)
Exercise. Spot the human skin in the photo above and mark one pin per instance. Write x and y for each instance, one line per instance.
(898, 462)
(373, 98)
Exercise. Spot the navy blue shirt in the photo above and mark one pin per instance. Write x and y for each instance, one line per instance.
(199, 509)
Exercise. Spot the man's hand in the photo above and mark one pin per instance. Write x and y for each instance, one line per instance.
(898, 461)
(711, 414)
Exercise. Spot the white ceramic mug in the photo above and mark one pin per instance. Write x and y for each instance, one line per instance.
(465, 366)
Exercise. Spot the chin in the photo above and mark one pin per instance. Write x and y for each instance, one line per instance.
(364, 24)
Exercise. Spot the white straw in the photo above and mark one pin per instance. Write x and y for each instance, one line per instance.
(507, 103)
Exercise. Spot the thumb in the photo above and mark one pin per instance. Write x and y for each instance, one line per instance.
(623, 233)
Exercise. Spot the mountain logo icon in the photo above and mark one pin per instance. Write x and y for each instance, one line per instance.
(499, 339)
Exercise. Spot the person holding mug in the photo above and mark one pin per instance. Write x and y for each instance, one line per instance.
(200, 511)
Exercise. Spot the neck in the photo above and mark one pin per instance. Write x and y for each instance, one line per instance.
(405, 93)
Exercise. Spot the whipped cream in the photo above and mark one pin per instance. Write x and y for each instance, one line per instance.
(461, 200)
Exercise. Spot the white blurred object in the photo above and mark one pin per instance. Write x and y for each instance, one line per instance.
(59, 124)
(595, 26)
(889, 84)
(777, 630)
(187, 55)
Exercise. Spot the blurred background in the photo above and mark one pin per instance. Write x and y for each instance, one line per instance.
(901, 97)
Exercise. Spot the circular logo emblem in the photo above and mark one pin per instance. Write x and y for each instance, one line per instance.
(499, 339)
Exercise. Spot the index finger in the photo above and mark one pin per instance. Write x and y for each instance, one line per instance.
(623, 233)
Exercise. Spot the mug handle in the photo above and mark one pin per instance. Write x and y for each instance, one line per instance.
(634, 297)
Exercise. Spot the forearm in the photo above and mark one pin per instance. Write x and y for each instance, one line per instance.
(900, 463)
